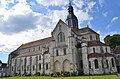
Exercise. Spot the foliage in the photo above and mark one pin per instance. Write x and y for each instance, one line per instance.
(76, 77)
(113, 40)
(37, 74)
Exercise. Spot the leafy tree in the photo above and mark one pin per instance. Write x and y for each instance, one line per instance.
(113, 40)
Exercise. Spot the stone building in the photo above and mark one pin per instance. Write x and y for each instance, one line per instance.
(117, 57)
(68, 49)
(3, 69)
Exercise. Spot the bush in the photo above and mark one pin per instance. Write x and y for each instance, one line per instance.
(37, 74)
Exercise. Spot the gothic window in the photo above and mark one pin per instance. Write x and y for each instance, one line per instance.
(106, 49)
(39, 57)
(33, 67)
(61, 37)
(39, 66)
(113, 65)
(46, 66)
(93, 50)
(96, 63)
(89, 65)
(57, 53)
(64, 50)
(90, 37)
(107, 63)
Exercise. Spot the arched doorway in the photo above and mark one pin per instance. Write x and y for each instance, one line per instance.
(66, 65)
(57, 66)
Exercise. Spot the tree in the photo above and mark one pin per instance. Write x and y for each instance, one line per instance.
(113, 40)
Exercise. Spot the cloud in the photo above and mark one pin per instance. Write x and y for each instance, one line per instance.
(52, 2)
(105, 14)
(101, 2)
(114, 19)
(91, 5)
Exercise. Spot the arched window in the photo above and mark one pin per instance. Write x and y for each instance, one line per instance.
(46, 66)
(57, 53)
(64, 50)
(61, 37)
(107, 63)
(113, 65)
(90, 37)
(89, 65)
(93, 50)
(96, 63)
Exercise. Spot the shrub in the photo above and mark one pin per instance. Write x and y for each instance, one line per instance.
(37, 74)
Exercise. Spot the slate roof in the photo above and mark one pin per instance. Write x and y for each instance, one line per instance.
(84, 31)
(96, 43)
(96, 55)
(45, 50)
(34, 43)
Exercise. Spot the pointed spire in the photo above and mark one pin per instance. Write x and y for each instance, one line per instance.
(69, 2)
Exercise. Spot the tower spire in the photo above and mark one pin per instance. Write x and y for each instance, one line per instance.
(69, 2)
(71, 20)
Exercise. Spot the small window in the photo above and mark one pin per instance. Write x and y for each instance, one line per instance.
(90, 37)
(93, 50)
(46, 66)
(64, 50)
(89, 65)
(107, 63)
(33, 67)
(39, 66)
(96, 63)
(106, 49)
(39, 57)
(57, 54)
(113, 65)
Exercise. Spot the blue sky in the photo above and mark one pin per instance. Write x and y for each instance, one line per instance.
(22, 21)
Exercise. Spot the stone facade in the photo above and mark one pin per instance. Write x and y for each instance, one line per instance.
(3, 69)
(68, 49)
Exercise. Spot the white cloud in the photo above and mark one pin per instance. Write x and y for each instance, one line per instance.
(101, 2)
(25, 25)
(91, 5)
(105, 14)
(114, 19)
(4, 3)
(52, 2)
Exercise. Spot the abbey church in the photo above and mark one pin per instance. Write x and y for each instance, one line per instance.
(69, 48)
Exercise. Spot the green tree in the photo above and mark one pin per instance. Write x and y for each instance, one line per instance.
(113, 40)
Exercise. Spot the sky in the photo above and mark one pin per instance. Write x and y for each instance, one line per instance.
(22, 21)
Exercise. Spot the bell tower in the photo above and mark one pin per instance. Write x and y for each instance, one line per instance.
(71, 20)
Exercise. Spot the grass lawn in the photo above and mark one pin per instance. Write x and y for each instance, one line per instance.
(78, 77)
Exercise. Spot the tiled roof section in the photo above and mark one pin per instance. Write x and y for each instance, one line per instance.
(33, 53)
(34, 43)
(84, 31)
(117, 50)
(94, 55)
(96, 43)
(108, 55)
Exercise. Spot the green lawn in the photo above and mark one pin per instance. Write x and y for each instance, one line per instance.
(78, 77)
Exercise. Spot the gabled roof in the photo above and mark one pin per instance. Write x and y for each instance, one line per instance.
(34, 43)
(117, 50)
(96, 43)
(58, 23)
(84, 31)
